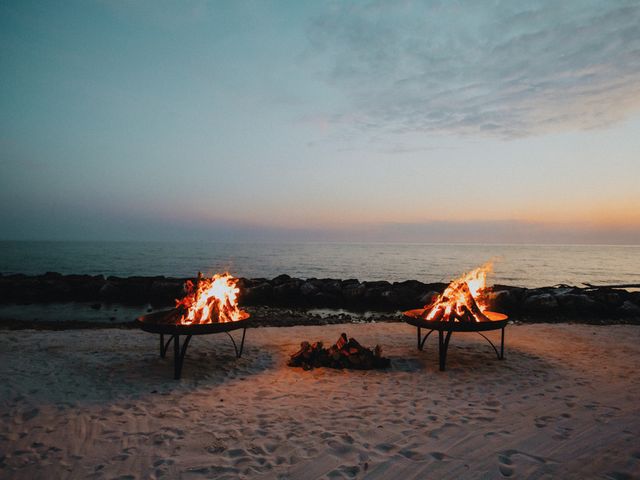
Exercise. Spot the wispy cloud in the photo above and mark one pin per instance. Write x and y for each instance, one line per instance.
(507, 69)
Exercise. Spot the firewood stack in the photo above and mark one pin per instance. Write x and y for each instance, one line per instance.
(345, 353)
(444, 309)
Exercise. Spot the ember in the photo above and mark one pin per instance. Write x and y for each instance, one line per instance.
(462, 300)
(210, 300)
(346, 353)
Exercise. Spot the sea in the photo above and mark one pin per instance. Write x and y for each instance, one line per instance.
(518, 265)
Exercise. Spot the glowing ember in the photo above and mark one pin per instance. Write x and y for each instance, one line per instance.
(462, 300)
(211, 300)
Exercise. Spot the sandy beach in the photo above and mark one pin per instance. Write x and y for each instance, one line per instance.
(102, 404)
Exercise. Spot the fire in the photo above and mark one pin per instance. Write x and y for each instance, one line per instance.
(211, 300)
(462, 300)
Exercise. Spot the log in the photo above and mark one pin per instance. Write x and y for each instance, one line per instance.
(472, 305)
(350, 354)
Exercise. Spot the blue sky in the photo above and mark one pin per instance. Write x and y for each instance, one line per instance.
(502, 121)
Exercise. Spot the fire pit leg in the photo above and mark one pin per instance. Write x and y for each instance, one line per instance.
(499, 354)
(443, 346)
(164, 346)
(178, 355)
(235, 347)
(422, 340)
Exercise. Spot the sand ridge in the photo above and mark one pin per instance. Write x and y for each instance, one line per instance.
(102, 404)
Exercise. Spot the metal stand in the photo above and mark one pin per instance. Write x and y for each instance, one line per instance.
(443, 344)
(235, 347)
(179, 353)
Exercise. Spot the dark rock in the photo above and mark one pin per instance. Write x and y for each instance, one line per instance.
(256, 295)
(354, 291)
(392, 298)
(608, 298)
(308, 289)
(280, 279)
(414, 285)
(288, 292)
(331, 286)
(428, 298)
(166, 290)
(373, 295)
(323, 299)
(629, 309)
(110, 291)
(541, 303)
(573, 304)
(381, 284)
(504, 301)
(52, 275)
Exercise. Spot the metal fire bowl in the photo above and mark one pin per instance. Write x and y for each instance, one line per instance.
(417, 318)
(166, 322)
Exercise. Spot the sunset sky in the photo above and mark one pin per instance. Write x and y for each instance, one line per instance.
(451, 121)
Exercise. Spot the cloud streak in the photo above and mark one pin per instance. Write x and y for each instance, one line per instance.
(509, 70)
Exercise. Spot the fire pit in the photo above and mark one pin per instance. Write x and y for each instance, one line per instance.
(210, 306)
(460, 308)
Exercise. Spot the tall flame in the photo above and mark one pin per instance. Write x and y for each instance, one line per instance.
(462, 300)
(211, 300)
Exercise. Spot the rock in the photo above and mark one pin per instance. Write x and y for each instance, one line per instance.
(381, 284)
(609, 298)
(166, 291)
(629, 309)
(572, 304)
(391, 298)
(289, 291)
(323, 299)
(256, 295)
(503, 301)
(414, 285)
(280, 279)
(331, 286)
(427, 298)
(308, 289)
(354, 292)
(542, 303)
(373, 295)
(110, 291)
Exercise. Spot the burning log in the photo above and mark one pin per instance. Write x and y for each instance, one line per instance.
(210, 300)
(345, 353)
(460, 300)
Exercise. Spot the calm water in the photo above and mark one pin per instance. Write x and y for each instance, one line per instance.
(524, 265)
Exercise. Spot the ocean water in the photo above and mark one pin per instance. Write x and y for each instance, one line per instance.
(522, 265)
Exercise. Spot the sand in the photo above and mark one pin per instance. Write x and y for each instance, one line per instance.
(565, 403)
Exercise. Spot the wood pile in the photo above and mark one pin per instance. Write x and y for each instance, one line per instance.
(345, 353)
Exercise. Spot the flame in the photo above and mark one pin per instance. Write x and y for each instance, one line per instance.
(211, 300)
(463, 299)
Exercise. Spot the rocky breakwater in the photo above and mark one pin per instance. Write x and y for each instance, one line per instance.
(557, 303)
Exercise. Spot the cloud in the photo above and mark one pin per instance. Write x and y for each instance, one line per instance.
(506, 68)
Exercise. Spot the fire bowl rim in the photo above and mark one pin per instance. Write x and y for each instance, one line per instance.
(414, 317)
(146, 322)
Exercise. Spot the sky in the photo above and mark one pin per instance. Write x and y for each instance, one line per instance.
(433, 121)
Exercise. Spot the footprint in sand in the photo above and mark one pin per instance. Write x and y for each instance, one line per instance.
(526, 465)
(620, 476)
(385, 447)
(438, 455)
